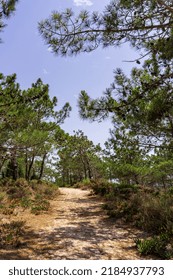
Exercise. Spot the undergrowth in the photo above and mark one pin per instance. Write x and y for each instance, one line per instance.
(34, 195)
(10, 234)
(21, 194)
(149, 209)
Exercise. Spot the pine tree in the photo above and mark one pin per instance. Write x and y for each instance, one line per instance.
(138, 22)
(7, 8)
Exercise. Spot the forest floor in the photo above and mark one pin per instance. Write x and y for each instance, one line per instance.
(75, 228)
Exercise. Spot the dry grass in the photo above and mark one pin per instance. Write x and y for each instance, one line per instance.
(149, 209)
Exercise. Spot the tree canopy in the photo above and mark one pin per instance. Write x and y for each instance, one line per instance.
(137, 160)
(138, 22)
(28, 125)
(145, 97)
(139, 104)
(78, 159)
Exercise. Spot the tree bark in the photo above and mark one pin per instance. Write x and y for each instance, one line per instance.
(30, 167)
(42, 166)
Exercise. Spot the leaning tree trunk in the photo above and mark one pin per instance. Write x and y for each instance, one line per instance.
(30, 167)
(42, 166)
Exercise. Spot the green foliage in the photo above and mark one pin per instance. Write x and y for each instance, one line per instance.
(150, 209)
(84, 184)
(140, 105)
(86, 181)
(34, 195)
(78, 159)
(26, 202)
(101, 186)
(120, 22)
(39, 205)
(10, 234)
(158, 245)
(29, 125)
(7, 8)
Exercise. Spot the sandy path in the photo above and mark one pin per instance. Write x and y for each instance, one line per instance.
(76, 228)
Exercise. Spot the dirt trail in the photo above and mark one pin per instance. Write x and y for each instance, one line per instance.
(76, 228)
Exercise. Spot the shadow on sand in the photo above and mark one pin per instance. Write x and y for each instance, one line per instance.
(80, 239)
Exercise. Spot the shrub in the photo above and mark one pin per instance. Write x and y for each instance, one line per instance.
(33, 195)
(25, 202)
(39, 204)
(150, 209)
(84, 184)
(2, 197)
(21, 182)
(156, 213)
(158, 245)
(101, 187)
(17, 189)
(16, 192)
(11, 233)
(46, 189)
(6, 182)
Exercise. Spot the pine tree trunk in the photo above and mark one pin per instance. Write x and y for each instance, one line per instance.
(30, 167)
(42, 166)
(14, 166)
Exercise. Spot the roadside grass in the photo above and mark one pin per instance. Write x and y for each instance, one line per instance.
(10, 234)
(17, 196)
(149, 209)
(34, 195)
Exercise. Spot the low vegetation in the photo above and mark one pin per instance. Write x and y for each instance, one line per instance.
(148, 209)
(34, 195)
(10, 234)
(21, 195)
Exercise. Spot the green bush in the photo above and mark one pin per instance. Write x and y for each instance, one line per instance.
(11, 233)
(2, 197)
(39, 204)
(150, 209)
(101, 187)
(32, 194)
(156, 213)
(86, 181)
(16, 189)
(158, 245)
(48, 190)
(25, 202)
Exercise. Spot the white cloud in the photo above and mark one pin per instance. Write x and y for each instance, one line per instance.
(45, 71)
(83, 2)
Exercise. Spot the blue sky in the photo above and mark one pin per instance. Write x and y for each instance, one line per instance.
(23, 52)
